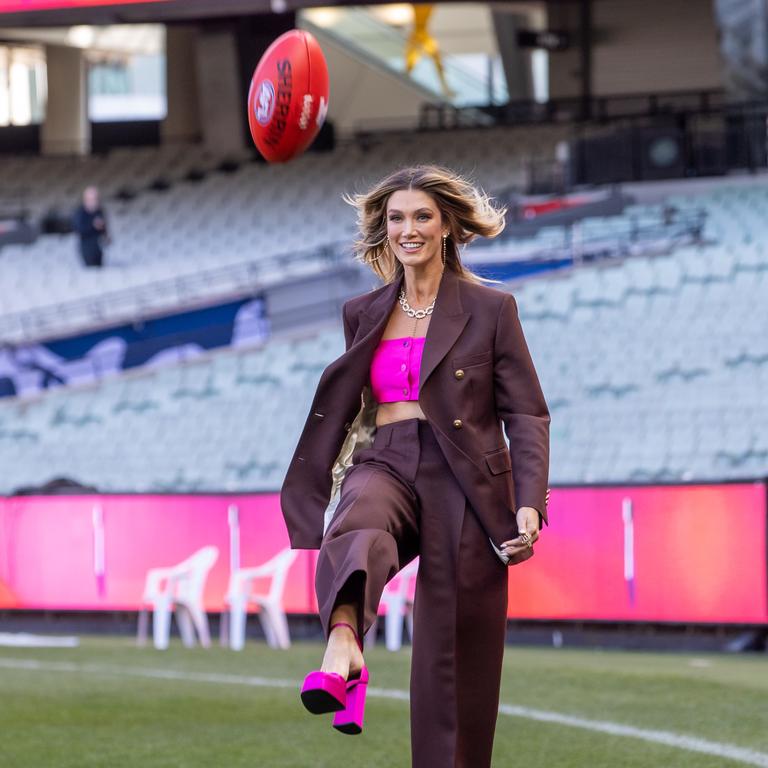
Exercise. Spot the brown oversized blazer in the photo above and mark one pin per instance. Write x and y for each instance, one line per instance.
(476, 372)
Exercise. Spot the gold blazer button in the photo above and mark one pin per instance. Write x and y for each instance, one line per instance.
(457, 423)
(459, 374)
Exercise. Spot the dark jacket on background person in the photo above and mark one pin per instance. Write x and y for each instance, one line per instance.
(91, 238)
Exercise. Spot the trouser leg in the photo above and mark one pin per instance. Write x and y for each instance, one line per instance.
(459, 625)
(480, 634)
(373, 534)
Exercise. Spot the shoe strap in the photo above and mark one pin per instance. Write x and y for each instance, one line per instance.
(354, 631)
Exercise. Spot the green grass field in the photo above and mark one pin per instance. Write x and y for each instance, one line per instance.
(108, 703)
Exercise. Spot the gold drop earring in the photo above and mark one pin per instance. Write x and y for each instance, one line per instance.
(445, 237)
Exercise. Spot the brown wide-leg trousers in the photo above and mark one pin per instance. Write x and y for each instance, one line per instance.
(398, 500)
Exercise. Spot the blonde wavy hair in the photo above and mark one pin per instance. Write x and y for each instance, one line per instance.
(466, 209)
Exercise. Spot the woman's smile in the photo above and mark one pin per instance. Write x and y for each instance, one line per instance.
(414, 225)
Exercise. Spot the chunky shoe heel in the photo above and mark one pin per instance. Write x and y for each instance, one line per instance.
(324, 692)
(327, 691)
(350, 719)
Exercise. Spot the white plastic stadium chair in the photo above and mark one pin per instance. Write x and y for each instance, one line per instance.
(270, 603)
(179, 587)
(398, 599)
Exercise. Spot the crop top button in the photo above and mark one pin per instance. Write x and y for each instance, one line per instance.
(403, 367)
(405, 343)
(405, 390)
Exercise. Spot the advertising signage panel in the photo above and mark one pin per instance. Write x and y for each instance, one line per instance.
(685, 553)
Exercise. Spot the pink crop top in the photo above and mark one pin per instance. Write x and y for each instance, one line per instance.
(395, 369)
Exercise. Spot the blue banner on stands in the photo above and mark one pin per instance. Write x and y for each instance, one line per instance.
(30, 368)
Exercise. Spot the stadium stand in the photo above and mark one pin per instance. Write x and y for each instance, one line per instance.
(185, 428)
(200, 241)
(655, 369)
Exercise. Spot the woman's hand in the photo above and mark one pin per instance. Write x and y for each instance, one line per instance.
(527, 523)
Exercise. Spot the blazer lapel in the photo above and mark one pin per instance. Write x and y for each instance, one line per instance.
(445, 327)
(378, 311)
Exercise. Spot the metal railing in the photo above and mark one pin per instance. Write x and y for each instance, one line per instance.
(673, 226)
(600, 109)
(249, 277)
(184, 292)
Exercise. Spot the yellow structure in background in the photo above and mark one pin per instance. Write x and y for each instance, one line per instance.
(421, 43)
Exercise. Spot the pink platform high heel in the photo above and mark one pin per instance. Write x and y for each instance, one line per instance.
(329, 692)
(350, 719)
(324, 692)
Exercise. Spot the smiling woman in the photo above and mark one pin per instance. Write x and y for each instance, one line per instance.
(435, 362)
(441, 202)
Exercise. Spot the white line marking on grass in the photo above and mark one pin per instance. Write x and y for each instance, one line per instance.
(667, 738)
(26, 640)
(690, 743)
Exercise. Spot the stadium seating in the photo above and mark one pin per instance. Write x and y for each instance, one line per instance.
(215, 237)
(655, 368)
(186, 428)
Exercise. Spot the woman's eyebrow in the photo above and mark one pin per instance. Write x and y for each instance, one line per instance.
(418, 210)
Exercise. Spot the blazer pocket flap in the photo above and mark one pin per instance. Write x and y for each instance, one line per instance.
(467, 361)
(499, 461)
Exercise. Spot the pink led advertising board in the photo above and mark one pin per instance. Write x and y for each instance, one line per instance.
(91, 552)
(672, 553)
(669, 553)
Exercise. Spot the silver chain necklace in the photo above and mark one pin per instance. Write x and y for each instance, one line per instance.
(420, 314)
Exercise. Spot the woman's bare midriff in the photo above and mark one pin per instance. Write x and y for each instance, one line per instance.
(386, 413)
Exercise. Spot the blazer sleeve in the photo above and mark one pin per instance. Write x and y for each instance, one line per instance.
(521, 406)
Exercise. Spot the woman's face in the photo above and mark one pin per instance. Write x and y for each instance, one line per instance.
(414, 227)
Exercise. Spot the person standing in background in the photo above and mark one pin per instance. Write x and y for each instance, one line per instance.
(90, 223)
